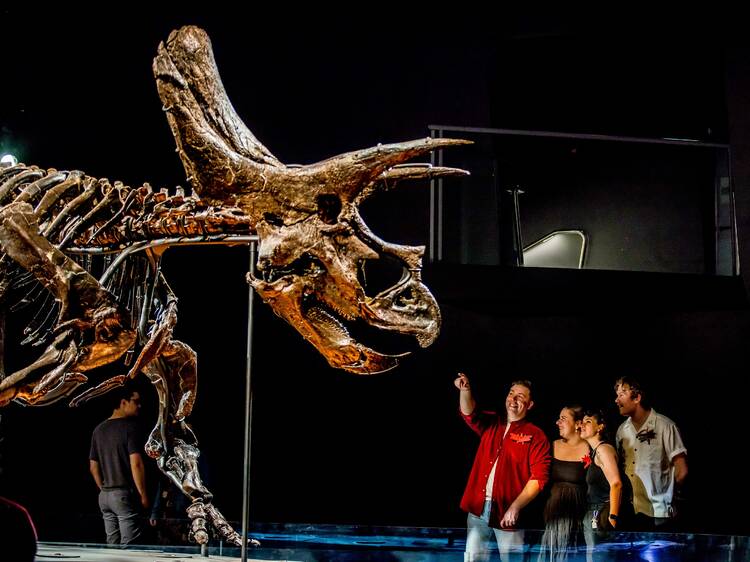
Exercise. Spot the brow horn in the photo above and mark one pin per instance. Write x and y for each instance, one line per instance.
(356, 172)
(224, 162)
(216, 148)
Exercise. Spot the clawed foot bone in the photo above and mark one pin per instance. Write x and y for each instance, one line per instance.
(200, 513)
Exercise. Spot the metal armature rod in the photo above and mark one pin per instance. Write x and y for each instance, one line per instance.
(248, 407)
(517, 236)
(578, 136)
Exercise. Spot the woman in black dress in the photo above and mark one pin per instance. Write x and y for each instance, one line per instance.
(566, 505)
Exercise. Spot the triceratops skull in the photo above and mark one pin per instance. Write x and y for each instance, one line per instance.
(313, 241)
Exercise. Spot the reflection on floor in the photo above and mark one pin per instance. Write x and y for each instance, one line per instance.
(102, 553)
(338, 543)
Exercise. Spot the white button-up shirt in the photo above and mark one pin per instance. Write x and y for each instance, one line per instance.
(647, 459)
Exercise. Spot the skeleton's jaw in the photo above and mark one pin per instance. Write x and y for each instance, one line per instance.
(408, 308)
(66, 385)
(295, 302)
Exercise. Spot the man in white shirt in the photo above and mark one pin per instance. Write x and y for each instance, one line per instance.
(653, 456)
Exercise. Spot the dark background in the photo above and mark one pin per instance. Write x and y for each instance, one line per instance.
(76, 91)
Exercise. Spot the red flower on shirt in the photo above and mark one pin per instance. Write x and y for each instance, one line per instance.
(520, 437)
(586, 460)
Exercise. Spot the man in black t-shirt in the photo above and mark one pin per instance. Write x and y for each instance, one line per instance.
(116, 463)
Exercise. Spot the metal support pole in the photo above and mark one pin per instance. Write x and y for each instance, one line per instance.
(517, 236)
(248, 407)
(433, 209)
(436, 205)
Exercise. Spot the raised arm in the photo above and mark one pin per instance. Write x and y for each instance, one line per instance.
(465, 398)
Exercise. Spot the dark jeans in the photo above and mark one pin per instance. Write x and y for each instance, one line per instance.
(122, 518)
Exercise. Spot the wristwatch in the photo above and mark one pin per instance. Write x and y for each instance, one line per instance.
(613, 516)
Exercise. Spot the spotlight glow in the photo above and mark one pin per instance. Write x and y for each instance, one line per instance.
(8, 160)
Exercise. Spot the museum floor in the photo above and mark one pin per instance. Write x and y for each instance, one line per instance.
(339, 543)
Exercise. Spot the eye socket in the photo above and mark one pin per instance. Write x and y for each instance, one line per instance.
(273, 219)
(329, 208)
(376, 276)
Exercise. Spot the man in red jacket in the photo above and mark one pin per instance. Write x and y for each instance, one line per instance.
(510, 469)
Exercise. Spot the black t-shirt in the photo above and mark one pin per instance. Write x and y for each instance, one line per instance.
(112, 443)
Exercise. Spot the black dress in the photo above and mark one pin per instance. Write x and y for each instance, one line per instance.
(565, 508)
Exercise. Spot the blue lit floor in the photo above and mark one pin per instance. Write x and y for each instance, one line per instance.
(346, 543)
(331, 543)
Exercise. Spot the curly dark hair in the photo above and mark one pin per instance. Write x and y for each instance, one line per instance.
(635, 387)
(598, 415)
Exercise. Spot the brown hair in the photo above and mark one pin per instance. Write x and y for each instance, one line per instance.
(635, 387)
(577, 411)
(523, 382)
(598, 415)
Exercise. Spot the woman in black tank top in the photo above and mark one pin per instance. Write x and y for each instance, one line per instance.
(566, 505)
(603, 478)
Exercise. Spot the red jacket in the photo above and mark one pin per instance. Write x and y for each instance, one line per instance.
(524, 455)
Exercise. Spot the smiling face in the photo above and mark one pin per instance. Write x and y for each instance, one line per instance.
(567, 424)
(591, 428)
(518, 402)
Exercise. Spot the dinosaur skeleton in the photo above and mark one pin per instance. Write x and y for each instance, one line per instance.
(87, 252)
